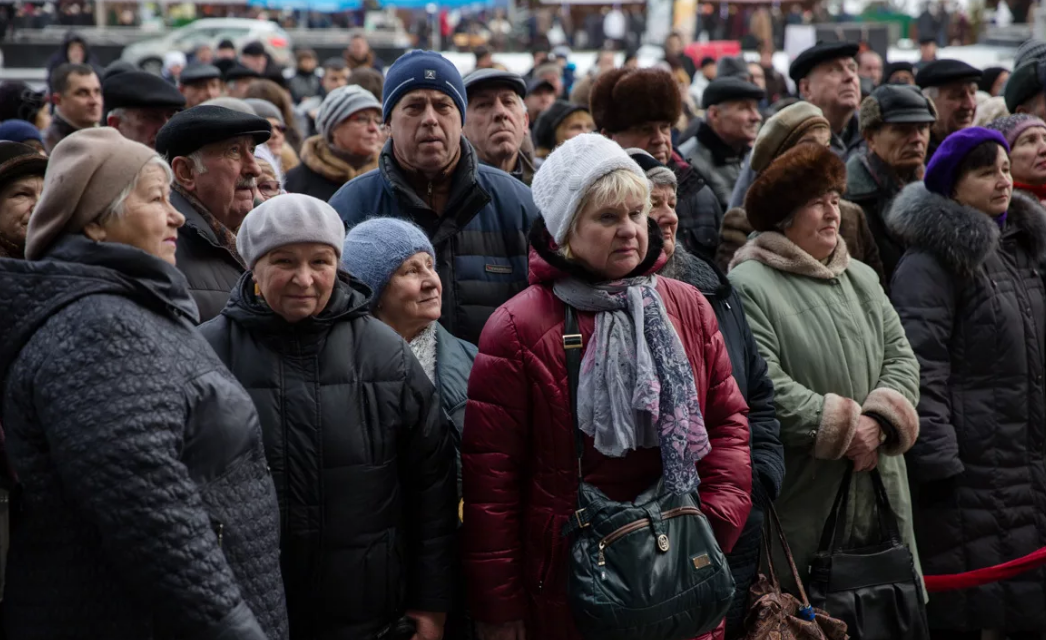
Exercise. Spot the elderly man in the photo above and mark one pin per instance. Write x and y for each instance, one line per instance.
(211, 151)
(238, 80)
(952, 85)
(826, 76)
(637, 108)
(77, 97)
(496, 121)
(139, 104)
(200, 83)
(1024, 92)
(870, 67)
(895, 123)
(725, 136)
(541, 94)
(476, 216)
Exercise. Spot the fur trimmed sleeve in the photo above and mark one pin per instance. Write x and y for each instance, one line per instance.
(839, 418)
(895, 409)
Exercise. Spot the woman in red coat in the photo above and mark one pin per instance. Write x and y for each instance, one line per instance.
(594, 248)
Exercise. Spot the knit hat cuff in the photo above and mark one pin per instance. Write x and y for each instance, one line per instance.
(1011, 136)
(559, 225)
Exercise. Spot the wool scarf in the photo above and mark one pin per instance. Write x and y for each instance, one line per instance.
(636, 388)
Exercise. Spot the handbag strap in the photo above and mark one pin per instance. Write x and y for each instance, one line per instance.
(774, 529)
(888, 528)
(835, 527)
(572, 344)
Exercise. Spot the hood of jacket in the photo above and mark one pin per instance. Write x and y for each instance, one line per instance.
(317, 155)
(77, 267)
(547, 266)
(962, 237)
(350, 299)
(778, 252)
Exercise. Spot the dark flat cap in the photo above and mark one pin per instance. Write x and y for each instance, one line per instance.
(136, 89)
(896, 104)
(193, 128)
(253, 49)
(730, 88)
(1024, 84)
(820, 52)
(199, 72)
(18, 160)
(942, 72)
(492, 77)
(117, 67)
(894, 67)
(239, 72)
(538, 83)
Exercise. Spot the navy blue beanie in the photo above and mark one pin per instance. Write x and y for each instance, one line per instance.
(422, 70)
(940, 173)
(19, 131)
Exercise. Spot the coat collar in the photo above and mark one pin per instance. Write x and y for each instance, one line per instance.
(548, 266)
(778, 252)
(317, 155)
(350, 299)
(722, 153)
(962, 237)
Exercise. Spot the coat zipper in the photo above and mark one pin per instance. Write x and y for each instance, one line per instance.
(632, 527)
(547, 569)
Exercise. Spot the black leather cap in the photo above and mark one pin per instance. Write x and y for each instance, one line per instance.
(495, 77)
(199, 72)
(193, 128)
(730, 88)
(896, 104)
(138, 89)
(820, 52)
(942, 72)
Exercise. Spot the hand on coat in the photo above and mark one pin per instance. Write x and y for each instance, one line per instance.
(509, 631)
(429, 625)
(866, 440)
(866, 462)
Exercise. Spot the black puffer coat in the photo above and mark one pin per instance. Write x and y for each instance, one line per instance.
(148, 510)
(973, 305)
(750, 372)
(209, 268)
(700, 215)
(361, 457)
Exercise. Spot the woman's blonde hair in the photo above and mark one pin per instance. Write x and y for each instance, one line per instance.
(615, 187)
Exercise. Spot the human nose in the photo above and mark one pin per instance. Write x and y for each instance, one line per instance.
(174, 217)
(303, 276)
(429, 116)
(250, 166)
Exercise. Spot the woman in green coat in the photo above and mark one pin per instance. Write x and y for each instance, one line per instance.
(845, 379)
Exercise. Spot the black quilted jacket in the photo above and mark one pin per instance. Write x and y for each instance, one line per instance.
(148, 509)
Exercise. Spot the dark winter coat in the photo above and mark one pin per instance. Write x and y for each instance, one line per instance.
(148, 511)
(849, 142)
(304, 85)
(753, 380)
(61, 56)
(57, 131)
(520, 469)
(973, 305)
(454, 359)
(360, 455)
(209, 268)
(870, 186)
(700, 214)
(480, 240)
(321, 172)
(717, 163)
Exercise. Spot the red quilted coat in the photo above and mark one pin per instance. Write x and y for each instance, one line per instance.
(519, 467)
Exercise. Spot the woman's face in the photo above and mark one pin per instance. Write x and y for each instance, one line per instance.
(17, 200)
(815, 226)
(663, 211)
(987, 189)
(361, 134)
(296, 280)
(413, 298)
(275, 141)
(267, 185)
(149, 222)
(1028, 157)
(611, 240)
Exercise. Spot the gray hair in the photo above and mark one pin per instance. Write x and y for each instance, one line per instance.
(786, 223)
(196, 157)
(116, 209)
(932, 93)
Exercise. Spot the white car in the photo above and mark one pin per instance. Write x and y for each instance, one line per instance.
(148, 54)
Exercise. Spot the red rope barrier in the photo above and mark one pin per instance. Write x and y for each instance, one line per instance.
(987, 575)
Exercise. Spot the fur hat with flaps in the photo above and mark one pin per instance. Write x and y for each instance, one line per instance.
(624, 98)
(799, 175)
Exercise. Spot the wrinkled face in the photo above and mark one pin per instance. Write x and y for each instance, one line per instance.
(334, 78)
(267, 185)
(18, 198)
(149, 222)
(279, 131)
(81, 103)
(255, 63)
(76, 53)
(610, 240)
(871, 67)
(833, 85)
(226, 186)
(413, 298)
(663, 211)
(653, 137)
(815, 226)
(296, 280)
(141, 124)
(361, 134)
(1028, 157)
(736, 121)
(495, 123)
(574, 125)
(901, 77)
(200, 92)
(426, 129)
(956, 105)
(999, 83)
(987, 189)
(757, 74)
(901, 146)
(538, 101)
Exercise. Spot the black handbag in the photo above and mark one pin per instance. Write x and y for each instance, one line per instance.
(647, 569)
(874, 589)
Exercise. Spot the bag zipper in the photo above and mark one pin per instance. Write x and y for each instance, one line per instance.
(632, 527)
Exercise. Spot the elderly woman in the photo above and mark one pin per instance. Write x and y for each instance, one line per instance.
(592, 249)
(270, 182)
(281, 148)
(557, 124)
(845, 379)
(749, 371)
(148, 510)
(21, 181)
(361, 458)
(969, 292)
(1026, 136)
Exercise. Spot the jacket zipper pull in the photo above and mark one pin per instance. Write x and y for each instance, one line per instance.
(221, 531)
(601, 560)
(727, 306)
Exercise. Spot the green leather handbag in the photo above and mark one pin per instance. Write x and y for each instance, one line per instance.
(649, 569)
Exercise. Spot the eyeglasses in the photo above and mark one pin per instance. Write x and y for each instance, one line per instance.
(365, 120)
(282, 128)
(269, 188)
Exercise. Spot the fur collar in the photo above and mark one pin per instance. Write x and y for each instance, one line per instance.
(962, 237)
(778, 252)
(318, 156)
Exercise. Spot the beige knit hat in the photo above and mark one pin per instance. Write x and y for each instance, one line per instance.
(85, 174)
(782, 131)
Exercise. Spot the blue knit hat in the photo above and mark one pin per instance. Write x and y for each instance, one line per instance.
(940, 173)
(19, 131)
(375, 248)
(422, 70)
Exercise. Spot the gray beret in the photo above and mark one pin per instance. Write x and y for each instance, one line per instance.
(265, 109)
(290, 218)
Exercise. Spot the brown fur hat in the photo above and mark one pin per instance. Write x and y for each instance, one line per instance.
(802, 173)
(623, 98)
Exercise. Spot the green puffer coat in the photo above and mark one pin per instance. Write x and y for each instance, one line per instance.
(835, 349)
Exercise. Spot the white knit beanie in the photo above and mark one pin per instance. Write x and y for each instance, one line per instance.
(567, 174)
(291, 218)
(341, 104)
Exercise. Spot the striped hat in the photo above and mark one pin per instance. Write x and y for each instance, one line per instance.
(341, 104)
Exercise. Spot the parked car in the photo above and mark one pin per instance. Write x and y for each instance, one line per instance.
(148, 54)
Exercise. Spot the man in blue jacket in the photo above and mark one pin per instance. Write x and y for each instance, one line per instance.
(476, 216)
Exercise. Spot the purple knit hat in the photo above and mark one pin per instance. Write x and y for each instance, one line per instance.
(940, 173)
(1011, 127)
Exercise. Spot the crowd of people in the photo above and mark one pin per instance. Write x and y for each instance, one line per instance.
(285, 357)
